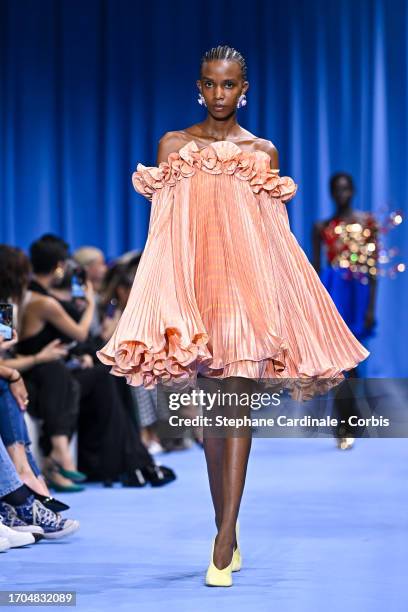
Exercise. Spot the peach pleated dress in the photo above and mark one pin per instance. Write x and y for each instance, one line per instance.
(223, 288)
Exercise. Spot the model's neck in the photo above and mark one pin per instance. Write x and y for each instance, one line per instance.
(344, 212)
(221, 129)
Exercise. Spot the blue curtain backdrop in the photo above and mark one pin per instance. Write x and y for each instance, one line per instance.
(89, 86)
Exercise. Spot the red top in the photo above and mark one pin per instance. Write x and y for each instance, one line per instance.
(350, 240)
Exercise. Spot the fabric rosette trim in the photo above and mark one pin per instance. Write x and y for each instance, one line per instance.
(222, 157)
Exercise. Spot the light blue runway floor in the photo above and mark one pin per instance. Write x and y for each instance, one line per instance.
(322, 530)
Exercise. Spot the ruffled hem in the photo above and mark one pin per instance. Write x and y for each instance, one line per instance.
(169, 364)
(222, 157)
(176, 366)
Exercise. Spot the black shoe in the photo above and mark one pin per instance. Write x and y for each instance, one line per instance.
(158, 475)
(133, 479)
(50, 502)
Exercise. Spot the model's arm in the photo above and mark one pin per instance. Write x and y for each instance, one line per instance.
(169, 143)
(370, 314)
(317, 245)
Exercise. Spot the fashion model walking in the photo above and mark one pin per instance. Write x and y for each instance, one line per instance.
(223, 290)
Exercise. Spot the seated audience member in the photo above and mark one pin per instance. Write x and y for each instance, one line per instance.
(40, 352)
(92, 261)
(14, 398)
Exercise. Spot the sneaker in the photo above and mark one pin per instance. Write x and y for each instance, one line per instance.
(10, 518)
(15, 538)
(53, 525)
(4, 544)
(155, 448)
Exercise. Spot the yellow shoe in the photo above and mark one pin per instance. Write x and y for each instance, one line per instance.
(344, 443)
(236, 557)
(218, 577)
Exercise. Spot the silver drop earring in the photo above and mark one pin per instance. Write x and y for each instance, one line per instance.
(242, 101)
(201, 99)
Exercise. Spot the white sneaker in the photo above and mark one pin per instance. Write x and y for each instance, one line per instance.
(4, 544)
(15, 538)
(155, 447)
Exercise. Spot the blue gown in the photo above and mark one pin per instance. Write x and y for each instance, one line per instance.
(351, 297)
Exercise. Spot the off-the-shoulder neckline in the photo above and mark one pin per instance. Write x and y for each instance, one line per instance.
(220, 142)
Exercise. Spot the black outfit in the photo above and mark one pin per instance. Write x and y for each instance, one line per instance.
(54, 399)
(54, 393)
(90, 400)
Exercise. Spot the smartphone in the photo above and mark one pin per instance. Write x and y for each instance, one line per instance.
(77, 289)
(6, 321)
(71, 345)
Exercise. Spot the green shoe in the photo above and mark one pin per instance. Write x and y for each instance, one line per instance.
(72, 488)
(73, 475)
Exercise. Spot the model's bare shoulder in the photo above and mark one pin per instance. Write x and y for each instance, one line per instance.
(268, 147)
(169, 143)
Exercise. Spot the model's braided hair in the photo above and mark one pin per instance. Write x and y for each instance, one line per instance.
(224, 52)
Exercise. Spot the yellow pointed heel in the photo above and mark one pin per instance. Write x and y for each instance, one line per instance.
(236, 557)
(218, 577)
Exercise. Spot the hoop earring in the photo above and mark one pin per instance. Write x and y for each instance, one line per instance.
(242, 101)
(59, 272)
(201, 99)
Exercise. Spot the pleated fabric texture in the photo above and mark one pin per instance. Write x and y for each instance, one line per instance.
(223, 288)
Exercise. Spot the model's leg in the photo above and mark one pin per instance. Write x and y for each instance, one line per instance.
(237, 446)
(344, 406)
(214, 456)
